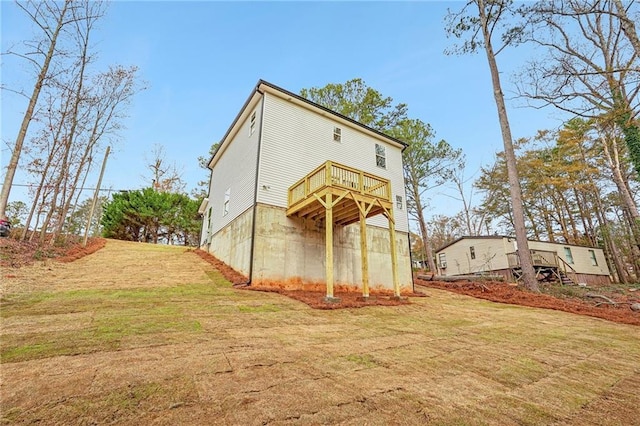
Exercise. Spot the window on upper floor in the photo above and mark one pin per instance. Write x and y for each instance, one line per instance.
(592, 256)
(252, 125)
(225, 206)
(381, 156)
(337, 134)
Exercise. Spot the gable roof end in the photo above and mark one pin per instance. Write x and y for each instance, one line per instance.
(264, 86)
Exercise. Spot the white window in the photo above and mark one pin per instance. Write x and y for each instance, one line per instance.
(381, 156)
(568, 255)
(442, 260)
(399, 202)
(252, 126)
(225, 206)
(337, 134)
(592, 255)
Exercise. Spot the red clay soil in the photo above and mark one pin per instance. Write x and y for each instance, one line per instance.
(505, 293)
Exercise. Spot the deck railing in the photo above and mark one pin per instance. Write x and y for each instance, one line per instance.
(539, 257)
(334, 174)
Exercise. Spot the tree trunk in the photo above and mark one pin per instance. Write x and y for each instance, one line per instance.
(526, 262)
(426, 241)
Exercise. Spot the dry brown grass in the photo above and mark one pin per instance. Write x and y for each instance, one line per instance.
(141, 334)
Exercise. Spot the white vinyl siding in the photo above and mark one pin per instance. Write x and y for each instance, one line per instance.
(294, 142)
(233, 176)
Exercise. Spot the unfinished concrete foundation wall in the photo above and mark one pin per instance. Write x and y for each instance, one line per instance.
(293, 250)
(232, 244)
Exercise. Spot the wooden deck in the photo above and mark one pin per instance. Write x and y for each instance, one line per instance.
(340, 195)
(348, 187)
(547, 265)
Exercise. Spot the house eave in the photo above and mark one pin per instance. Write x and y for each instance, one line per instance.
(203, 206)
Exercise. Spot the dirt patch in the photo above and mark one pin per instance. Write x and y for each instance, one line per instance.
(506, 293)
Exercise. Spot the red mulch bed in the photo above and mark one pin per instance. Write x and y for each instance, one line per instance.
(505, 293)
(77, 251)
(348, 298)
(15, 253)
(312, 295)
(236, 278)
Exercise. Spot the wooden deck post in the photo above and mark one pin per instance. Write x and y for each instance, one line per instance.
(364, 252)
(328, 223)
(394, 260)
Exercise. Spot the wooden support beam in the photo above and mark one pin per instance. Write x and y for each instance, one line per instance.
(329, 244)
(364, 251)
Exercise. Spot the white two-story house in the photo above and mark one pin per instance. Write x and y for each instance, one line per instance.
(300, 194)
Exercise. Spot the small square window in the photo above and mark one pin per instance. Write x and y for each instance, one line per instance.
(381, 156)
(337, 134)
(472, 252)
(252, 126)
(399, 202)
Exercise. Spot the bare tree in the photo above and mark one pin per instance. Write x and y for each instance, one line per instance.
(591, 66)
(484, 27)
(51, 18)
(165, 176)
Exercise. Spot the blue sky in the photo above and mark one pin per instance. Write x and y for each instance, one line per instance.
(201, 60)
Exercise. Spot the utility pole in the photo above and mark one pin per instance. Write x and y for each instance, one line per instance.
(95, 197)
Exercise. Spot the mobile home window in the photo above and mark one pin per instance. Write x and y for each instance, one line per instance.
(472, 252)
(225, 206)
(442, 260)
(381, 156)
(252, 126)
(337, 134)
(592, 255)
(568, 255)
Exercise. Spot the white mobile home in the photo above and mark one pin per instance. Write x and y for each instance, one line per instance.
(498, 255)
(299, 193)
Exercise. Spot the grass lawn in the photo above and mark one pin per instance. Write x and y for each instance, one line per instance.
(141, 334)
